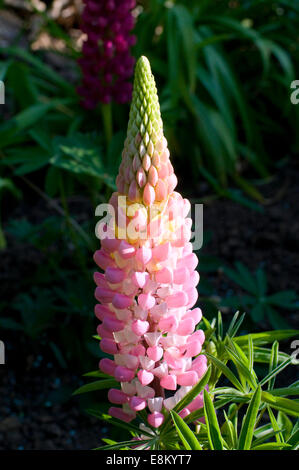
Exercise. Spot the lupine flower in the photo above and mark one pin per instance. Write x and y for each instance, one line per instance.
(148, 288)
(106, 63)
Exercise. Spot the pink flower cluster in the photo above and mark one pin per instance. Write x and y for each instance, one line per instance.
(146, 296)
(147, 290)
(106, 61)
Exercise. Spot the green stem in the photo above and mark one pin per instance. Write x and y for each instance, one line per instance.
(107, 122)
(2, 237)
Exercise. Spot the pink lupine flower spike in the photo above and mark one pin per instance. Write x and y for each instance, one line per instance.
(148, 290)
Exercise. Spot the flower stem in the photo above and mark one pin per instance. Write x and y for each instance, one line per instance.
(107, 122)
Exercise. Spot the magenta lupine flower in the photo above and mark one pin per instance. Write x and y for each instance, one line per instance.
(148, 288)
(106, 63)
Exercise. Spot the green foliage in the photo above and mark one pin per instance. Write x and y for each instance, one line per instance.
(223, 78)
(242, 409)
(257, 302)
(217, 73)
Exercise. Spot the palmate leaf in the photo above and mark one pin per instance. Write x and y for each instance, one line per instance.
(285, 299)
(239, 278)
(249, 421)
(81, 154)
(214, 434)
(187, 437)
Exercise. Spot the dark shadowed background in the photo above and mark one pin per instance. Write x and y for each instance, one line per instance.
(226, 75)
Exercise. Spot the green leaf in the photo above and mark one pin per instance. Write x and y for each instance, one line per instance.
(118, 423)
(235, 324)
(226, 371)
(266, 337)
(96, 373)
(244, 371)
(124, 444)
(264, 355)
(230, 430)
(271, 446)
(220, 326)
(7, 184)
(273, 363)
(285, 299)
(276, 371)
(292, 390)
(214, 434)
(81, 154)
(276, 428)
(293, 441)
(285, 424)
(10, 324)
(261, 281)
(4, 67)
(258, 312)
(195, 415)
(187, 437)
(290, 407)
(40, 66)
(94, 386)
(250, 354)
(249, 421)
(185, 30)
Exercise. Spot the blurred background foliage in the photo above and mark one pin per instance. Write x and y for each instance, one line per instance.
(223, 71)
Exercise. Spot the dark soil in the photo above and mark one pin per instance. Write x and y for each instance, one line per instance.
(36, 412)
(31, 415)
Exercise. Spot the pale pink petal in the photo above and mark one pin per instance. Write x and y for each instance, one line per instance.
(155, 419)
(169, 382)
(145, 377)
